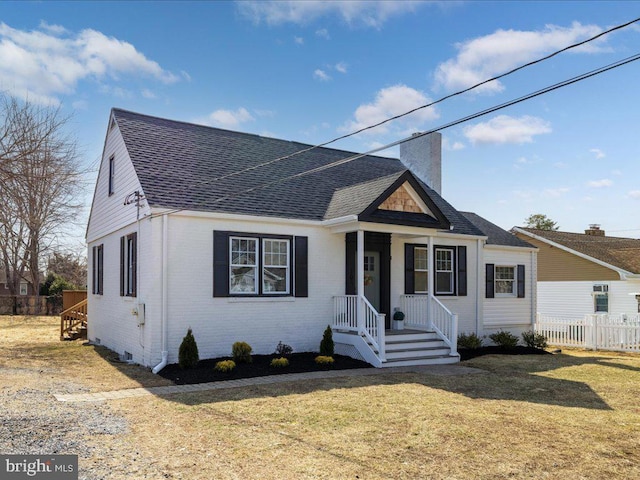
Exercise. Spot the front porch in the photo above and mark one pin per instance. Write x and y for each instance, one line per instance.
(429, 335)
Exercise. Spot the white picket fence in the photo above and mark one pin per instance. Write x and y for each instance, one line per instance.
(598, 332)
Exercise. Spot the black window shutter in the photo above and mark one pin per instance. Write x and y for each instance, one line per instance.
(489, 289)
(301, 267)
(134, 264)
(220, 264)
(520, 281)
(122, 250)
(462, 271)
(409, 270)
(351, 249)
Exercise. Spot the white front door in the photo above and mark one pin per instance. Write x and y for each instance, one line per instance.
(372, 278)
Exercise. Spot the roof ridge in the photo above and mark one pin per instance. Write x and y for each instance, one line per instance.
(247, 134)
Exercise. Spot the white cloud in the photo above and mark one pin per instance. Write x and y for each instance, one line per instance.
(321, 75)
(146, 93)
(634, 194)
(341, 67)
(506, 129)
(447, 145)
(185, 75)
(354, 12)
(46, 63)
(298, 40)
(616, 172)
(80, 105)
(265, 113)
(605, 182)
(389, 102)
(323, 33)
(227, 118)
(597, 153)
(554, 192)
(485, 57)
(561, 165)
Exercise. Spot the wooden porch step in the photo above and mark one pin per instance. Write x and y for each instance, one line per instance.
(435, 351)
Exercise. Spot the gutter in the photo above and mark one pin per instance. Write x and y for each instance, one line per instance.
(164, 302)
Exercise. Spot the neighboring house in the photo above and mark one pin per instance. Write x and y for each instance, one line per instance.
(585, 273)
(26, 284)
(234, 236)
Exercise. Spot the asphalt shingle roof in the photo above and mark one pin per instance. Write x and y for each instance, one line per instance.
(187, 166)
(620, 252)
(495, 234)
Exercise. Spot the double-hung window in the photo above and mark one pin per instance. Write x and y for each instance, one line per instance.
(505, 281)
(97, 269)
(243, 265)
(128, 265)
(445, 279)
(449, 269)
(601, 298)
(421, 269)
(255, 265)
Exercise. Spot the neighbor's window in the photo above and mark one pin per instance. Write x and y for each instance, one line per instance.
(601, 298)
(23, 289)
(420, 269)
(444, 271)
(505, 281)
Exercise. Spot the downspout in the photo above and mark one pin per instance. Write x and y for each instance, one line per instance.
(164, 301)
(479, 260)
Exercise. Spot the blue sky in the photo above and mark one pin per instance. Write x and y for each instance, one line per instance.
(310, 71)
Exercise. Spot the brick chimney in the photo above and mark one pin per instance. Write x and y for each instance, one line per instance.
(423, 156)
(594, 230)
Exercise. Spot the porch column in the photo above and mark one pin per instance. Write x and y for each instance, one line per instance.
(431, 272)
(360, 277)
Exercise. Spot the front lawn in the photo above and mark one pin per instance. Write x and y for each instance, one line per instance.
(573, 415)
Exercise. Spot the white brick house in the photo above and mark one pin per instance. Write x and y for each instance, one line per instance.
(199, 227)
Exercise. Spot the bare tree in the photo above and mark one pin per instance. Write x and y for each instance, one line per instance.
(41, 184)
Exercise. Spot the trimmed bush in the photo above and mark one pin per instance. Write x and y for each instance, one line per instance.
(188, 353)
(470, 341)
(283, 349)
(241, 352)
(534, 340)
(225, 366)
(279, 362)
(327, 345)
(504, 339)
(324, 360)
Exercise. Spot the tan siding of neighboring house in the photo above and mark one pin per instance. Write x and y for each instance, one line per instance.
(557, 265)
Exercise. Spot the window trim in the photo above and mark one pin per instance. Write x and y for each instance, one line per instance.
(26, 289)
(255, 266)
(514, 281)
(264, 266)
(295, 288)
(453, 271)
(601, 292)
(112, 174)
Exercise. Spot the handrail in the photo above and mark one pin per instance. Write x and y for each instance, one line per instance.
(356, 314)
(429, 313)
(72, 317)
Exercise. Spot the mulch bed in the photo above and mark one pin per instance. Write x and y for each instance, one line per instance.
(469, 353)
(260, 366)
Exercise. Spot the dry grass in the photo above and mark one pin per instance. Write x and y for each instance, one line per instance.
(575, 415)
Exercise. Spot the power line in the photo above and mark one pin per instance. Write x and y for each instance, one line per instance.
(473, 116)
(435, 102)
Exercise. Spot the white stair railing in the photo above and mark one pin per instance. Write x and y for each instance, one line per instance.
(356, 314)
(426, 312)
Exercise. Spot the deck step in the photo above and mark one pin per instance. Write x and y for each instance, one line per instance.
(417, 353)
